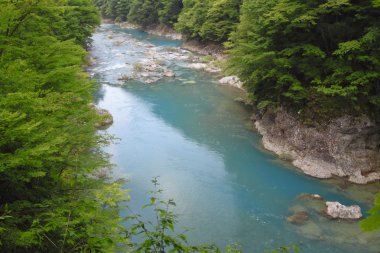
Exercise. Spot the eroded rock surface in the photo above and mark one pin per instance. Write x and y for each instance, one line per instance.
(346, 147)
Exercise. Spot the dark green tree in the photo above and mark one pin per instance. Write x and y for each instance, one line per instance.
(192, 17)
(169, 11)
(144, 12)
(54, 193)
(314, 56)
(221, 19)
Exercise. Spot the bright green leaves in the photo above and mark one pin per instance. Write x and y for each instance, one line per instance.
(373, 222)
(348, 47)
(221, 19)
(287, 50)
(53, 178)
(192, 17)
(209, 20)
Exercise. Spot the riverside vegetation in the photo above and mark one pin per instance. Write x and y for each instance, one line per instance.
(56, 191)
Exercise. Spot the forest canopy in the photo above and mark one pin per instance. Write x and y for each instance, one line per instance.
(54, 195)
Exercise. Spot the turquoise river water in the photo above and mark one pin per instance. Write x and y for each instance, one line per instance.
(189, 131)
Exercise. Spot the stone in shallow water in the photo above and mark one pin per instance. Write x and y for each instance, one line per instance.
(306, 196)
(337, 210)
(299, 217)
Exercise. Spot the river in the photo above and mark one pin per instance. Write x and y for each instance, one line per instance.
(189, 131)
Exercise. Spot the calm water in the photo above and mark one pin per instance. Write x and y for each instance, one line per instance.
(188, 131)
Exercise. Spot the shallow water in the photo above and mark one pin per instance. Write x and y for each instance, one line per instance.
(188, 131)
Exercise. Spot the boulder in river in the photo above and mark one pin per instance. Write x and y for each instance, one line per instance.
(233, 81)
(338, 211)
(299, 217)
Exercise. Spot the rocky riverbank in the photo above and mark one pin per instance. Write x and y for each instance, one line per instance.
(159, 30)
(207, 57)
(346, 147)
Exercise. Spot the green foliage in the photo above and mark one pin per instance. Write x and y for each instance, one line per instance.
(114, 9)
(144, 12)
(55, 195)
(192, 17)
(169, 11)
(286, 51)
(221, 19)
(372, 222)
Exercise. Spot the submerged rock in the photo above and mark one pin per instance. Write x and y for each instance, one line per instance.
(306, 196)
(233, 81)
(338, 211)
(299, 217)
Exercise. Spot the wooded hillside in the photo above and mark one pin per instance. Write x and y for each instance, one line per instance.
(55, 196)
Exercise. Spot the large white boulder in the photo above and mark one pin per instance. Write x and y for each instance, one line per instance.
(233, 81)
(337, 210)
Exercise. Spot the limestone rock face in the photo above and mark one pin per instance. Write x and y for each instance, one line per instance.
(347, 147)
(233, 81)
(337, 210)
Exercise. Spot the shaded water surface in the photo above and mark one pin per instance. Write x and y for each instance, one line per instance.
(188, 131)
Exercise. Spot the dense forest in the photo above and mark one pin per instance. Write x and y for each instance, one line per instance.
(55, 195)
(318, 58)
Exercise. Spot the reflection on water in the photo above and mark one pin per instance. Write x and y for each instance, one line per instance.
(190, 132)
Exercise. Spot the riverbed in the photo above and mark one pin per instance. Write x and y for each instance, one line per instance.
(188, 130)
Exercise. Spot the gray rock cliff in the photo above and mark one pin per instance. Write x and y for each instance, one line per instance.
(347, 147)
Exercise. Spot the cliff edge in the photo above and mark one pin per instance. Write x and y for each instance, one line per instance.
(346, 147)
